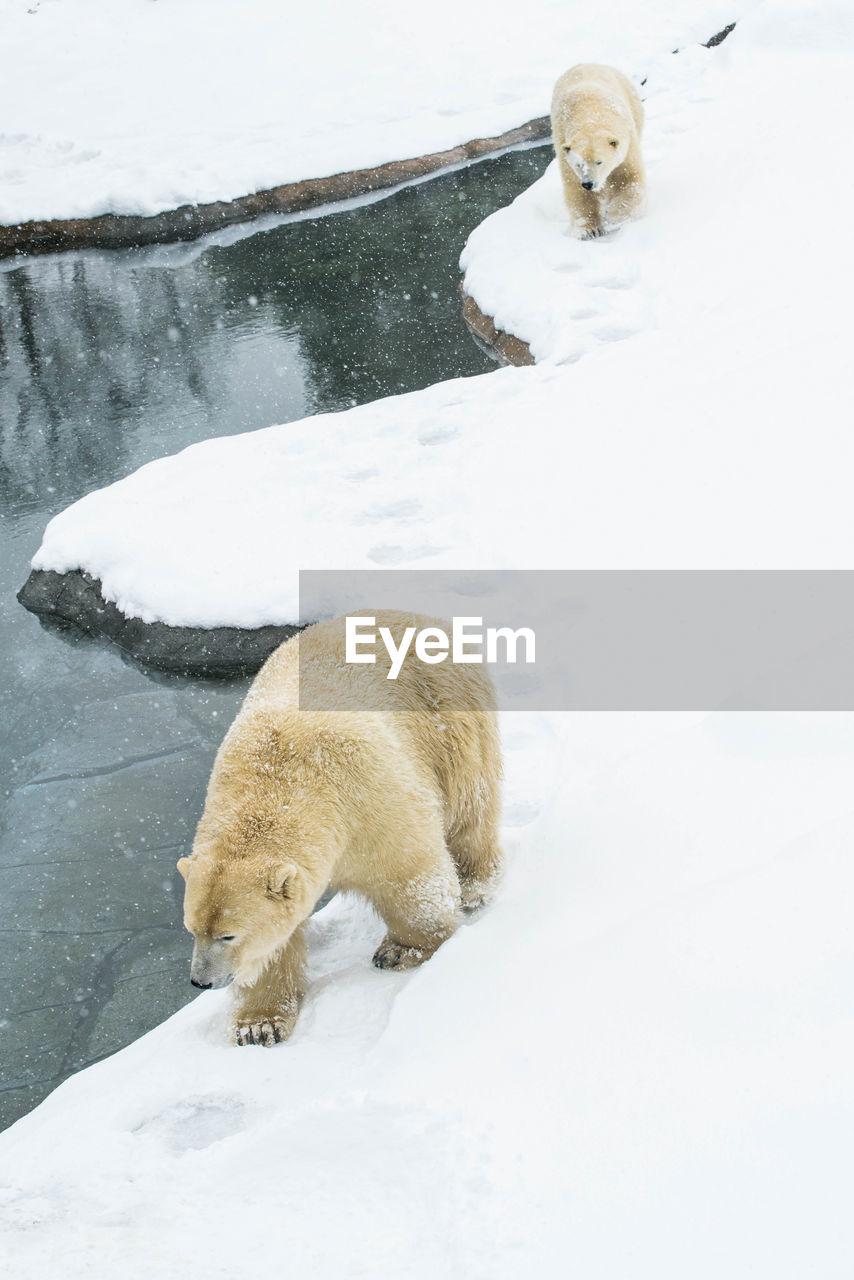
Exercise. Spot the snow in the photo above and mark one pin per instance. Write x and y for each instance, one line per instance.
(136, 106)
(638, 1061)
(669, 406)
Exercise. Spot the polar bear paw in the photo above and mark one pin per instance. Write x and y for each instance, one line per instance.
(394, 955)
(475, 894)
(267, 1032)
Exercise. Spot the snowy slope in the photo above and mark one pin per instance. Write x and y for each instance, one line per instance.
(704, 427)
(135, 106)
(638, 1063)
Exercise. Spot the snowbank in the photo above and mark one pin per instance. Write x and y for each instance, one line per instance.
(726, 255)
(704, 427)
(136, 106)
(638, 1063)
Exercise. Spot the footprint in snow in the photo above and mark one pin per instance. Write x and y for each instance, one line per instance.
(401, 555)
(405, 509)
(611, 282)
(438, 435)
(615, 331)
(196, 1122)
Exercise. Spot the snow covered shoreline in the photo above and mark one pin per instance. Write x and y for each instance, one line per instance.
(637, 1063)
(164, 119)
(219, 652)
(190, 221)
(646, 341)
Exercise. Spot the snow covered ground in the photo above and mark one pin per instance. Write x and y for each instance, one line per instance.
(135, 106)
(704, 426)
(638, 1063)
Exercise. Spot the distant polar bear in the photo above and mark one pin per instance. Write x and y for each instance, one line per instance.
(597, 118)
(386, 787)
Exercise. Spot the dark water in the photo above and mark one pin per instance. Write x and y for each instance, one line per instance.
(108, 361)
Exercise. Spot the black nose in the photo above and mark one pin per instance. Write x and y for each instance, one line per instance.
(203, 986)
(588, 186)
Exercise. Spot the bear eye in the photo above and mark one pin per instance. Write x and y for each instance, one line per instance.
(614, 142)
(226, 937)
(567, 150)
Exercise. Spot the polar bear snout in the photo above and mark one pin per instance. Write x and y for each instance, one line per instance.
(588, 171)
(208, 970)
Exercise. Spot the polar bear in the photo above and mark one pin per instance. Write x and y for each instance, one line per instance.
(597, 118)
(387, 787)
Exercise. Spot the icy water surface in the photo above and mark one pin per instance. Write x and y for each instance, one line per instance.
(108, 360)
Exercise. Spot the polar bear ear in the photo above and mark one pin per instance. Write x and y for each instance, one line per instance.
(280, 880)
(183, 865)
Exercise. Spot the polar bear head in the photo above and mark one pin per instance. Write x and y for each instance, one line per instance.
(595, 146)
(241, 913)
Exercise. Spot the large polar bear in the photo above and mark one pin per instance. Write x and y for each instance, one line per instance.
(597, 118)
(389, 787)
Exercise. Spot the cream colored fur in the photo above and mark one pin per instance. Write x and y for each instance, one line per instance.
(396, 798)
(597, 119)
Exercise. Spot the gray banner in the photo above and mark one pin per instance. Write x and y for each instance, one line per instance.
(630, 640)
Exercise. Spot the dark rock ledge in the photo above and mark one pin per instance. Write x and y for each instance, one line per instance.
(114, 231)
(75, 598)
(504, 347)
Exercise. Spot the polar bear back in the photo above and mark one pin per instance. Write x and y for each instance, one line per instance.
(591, 85)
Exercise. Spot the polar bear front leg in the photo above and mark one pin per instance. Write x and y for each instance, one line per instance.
(266, 1012)
(479, 861)
(585, 209)
(421, 912)
(627, 198)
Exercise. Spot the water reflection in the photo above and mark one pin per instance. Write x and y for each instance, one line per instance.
(101, 369)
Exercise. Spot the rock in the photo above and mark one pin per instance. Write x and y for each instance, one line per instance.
(75, 598)
(504, 347)
(720, 36)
